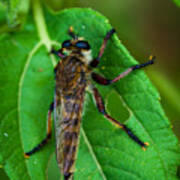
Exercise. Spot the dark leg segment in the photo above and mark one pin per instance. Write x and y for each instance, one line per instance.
(58, 53)
(138, 66)
(96, 61)
(101, 108)
(68, 176)
(48, 135)
(101, 80)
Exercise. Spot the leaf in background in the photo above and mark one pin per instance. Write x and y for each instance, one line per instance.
(177, 2)
(16, 11)
(3, 20)
(2, 13)
(56, 5)
(105, 152)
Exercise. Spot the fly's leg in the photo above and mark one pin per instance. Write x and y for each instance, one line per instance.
(48, 135)
(68, 176)
(96, 61)
(101, 80)
(101, 108)
(58, 53)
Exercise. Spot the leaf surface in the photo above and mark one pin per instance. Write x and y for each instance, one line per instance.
(105, 152)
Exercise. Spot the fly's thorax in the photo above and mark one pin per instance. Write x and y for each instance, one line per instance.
(72, 73)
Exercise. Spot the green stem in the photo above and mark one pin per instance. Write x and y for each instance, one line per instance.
(41, 27)
(40, 23)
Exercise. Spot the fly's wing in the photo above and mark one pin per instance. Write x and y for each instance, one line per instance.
(71, 81)
(67, 127)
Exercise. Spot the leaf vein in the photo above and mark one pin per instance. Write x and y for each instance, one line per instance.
(93, 154)
(20, 91)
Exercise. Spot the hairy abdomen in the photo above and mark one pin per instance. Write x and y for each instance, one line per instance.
(71, 81)
(67, 132)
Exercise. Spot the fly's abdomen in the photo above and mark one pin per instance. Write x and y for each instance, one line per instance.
(67, 133)
(71, 81)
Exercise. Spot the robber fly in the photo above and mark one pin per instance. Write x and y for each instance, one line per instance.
(73, 74)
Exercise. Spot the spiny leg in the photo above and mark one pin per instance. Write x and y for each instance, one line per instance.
(48, 135)
(101, 80)
(101, 108)
(96, 61)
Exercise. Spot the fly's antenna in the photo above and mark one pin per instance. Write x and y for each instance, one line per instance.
(71, 33)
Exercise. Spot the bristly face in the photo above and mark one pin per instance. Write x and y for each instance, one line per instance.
(78, 46)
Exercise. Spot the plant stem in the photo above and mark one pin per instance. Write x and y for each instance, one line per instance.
(42, 28)
(40, 23)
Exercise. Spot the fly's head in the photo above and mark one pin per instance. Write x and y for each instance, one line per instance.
(77, 45)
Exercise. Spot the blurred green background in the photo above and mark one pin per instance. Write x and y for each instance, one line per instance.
(144, 27)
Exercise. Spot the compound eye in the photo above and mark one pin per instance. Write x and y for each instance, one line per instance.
(82, 45)
(66, 44)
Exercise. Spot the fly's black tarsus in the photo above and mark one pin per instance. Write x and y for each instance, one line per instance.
(138, 66)
(39, 146)
(48, 135)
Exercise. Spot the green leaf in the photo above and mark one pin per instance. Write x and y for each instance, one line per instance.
(16, 11)
(105, 152)
(2, 13)
(3, 20)
(177, 2)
